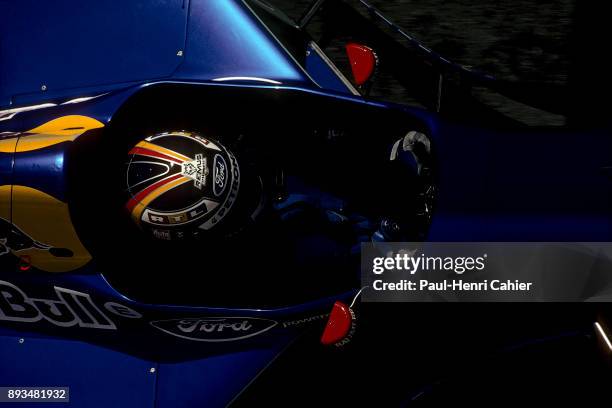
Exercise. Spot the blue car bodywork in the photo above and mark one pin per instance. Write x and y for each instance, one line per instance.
(85, 61)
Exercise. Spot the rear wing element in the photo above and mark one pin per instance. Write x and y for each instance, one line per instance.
(434, 81)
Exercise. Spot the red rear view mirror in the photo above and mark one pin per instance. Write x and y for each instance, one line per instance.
(339, 325)
(363, 62)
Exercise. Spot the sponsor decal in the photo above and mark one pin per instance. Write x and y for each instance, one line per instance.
(349, 337)
(219, 175)
(214, 329)
(305, 320)
(229, 200)
(162, 234)
(204, 141)
(69, 309)
(198, 210)
(197, 170)
(121, 310)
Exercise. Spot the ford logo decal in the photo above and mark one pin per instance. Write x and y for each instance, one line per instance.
(214, 329)
(219, 175)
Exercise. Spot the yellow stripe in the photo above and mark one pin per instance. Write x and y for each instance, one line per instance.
(35, 142)
(8, 145)
(65, 128)
(140, 207)
(71, 125)
(162, 150)
(5, 202)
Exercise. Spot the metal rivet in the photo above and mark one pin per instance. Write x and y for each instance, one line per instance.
(179, 53)
(152, 370)
(43, 88)
(21, 341)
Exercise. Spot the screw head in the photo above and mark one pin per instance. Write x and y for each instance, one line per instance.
(43, 88)
(152, 370)
(21, 340)
(179, 53)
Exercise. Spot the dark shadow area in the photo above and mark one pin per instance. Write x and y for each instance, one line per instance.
(287, 255)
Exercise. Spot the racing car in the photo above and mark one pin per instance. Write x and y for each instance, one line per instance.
(185, 184)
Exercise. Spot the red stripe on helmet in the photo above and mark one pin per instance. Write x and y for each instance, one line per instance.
(142, 194)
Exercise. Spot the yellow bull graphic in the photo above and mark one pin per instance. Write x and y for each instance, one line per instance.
(33, 224)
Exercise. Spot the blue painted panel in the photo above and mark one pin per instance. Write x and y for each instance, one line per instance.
(321, 72)
(74, 43)
(212, 382)
(531, 185)
(225, 39)
(100, 377)
(6, 168)
(469, 227)
(43, 170)
(97, 377)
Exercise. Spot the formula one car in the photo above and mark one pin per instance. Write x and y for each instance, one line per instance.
(185, 184)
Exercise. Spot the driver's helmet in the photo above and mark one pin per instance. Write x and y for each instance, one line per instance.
(180, 184)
